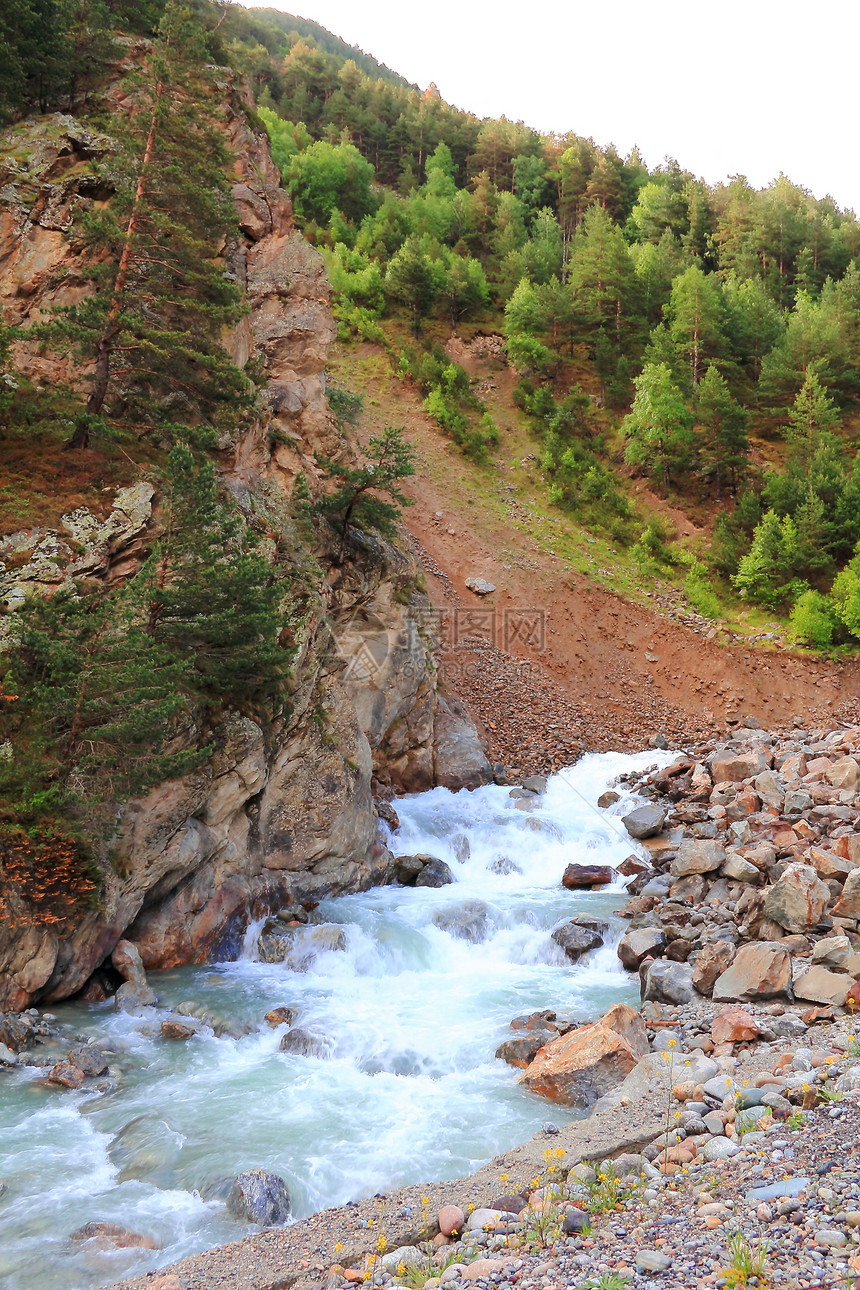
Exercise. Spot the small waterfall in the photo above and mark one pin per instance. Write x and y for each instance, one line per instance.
(404, 996)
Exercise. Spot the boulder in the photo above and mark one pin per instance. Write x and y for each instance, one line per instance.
(304, 1044)
(90, 1059)
(668, 982)
(605, 800)
(844, 773)
(67, 1075)
(728, 766)
(848, 904)
(644, 821)
(469, 921)
(798, 899)
(697, 855)
(818, 985)
(739, 869)
(639, 944)
(480, 586)
(761, 970)
(436, 873)
(259, 1197)
(179, 1028)
(297, 947)
(451, 1219)
(712, 961)
(833, 952)
(734, 1026)
(578, 1068)
(828, 864)
(407, 869)
(127, 961)
(280, 1016)
(587, 875)
(523, 1050)
(576, 940)
(113, 1234)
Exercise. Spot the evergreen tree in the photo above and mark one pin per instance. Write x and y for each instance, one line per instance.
(659, 425)
(724, 450)
(357, 500)
(696, 321)
(766, 573)
(154, 322)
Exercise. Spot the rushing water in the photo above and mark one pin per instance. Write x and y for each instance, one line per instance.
(410, 1090)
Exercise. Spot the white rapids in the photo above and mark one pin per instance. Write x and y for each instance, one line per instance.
(410, 1089)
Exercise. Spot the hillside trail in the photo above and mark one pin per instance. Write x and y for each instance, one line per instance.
(552, 663)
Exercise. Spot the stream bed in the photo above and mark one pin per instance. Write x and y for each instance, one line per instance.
(410, 1014)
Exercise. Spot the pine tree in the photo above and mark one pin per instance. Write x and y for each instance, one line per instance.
(154, 321)
(659, 425)
(725, 447)
(357, 501)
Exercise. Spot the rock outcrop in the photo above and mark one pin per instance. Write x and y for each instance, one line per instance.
(276, 816)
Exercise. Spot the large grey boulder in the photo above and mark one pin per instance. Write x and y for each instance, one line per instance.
(577, 940)
(797, 901)
(436, 873)
(669, 982)
(259, 1197)
(644, 821)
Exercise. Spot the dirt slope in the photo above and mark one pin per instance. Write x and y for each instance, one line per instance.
(553, 663)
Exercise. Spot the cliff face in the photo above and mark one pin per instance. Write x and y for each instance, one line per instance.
(273, 817)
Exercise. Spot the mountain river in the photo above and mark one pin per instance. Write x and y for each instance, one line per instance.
(409, 1090)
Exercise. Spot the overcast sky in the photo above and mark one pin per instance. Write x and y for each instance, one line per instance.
(749, 87)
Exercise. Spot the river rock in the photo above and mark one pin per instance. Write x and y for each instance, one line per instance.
(259, 1197)
(146, 1148)
(280, 1016)
(301, 1043)
(133, 995)
(436, 873)
(639, 944)
(127, 961)
(668, 982)
(407, 868)
(605, 800)
(697, 855)
(469, 921)
(760, 970)
(820, 986)
(451, 1219)
(712, 961)
(90, 1059)
(798, 899)
(179, 1028)
(298, 947)
(576, 876)
(578, 1068)
(734, 1026)
(405, 1256)
(576, 940)
(644, 821)
(848, 904)
(67, 1075)
(112, 1234)
(731, 767)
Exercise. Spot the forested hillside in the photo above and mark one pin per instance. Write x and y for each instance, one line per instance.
(706, 337)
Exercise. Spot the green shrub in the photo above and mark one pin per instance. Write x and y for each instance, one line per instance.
(813, 620)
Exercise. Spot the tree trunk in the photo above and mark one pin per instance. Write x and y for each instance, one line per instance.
(101, 382)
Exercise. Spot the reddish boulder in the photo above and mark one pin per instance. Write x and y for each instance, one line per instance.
(733, 1026)
(587, 875)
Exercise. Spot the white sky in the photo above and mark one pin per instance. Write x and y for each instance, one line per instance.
(749, 87)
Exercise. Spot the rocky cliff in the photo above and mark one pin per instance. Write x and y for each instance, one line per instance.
(275, 817)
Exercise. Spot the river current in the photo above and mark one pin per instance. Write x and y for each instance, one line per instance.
(412, 1015)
